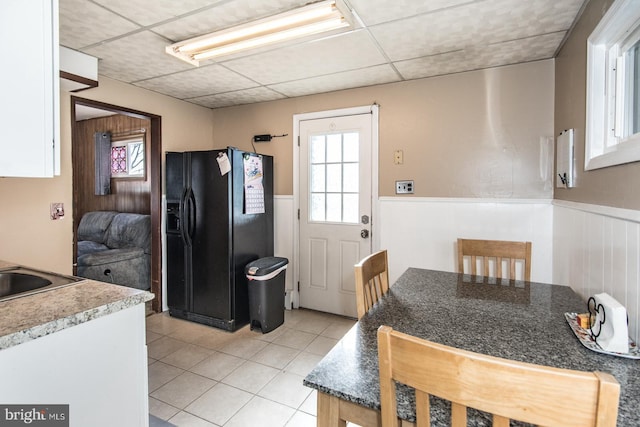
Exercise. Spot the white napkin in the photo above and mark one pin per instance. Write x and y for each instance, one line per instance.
(614, 335)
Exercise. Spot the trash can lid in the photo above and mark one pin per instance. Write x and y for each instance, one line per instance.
(266, 265)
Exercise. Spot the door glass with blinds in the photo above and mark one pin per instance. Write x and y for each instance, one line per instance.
(335, 207)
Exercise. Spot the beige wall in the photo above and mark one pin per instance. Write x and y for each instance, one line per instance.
(613, 186)
(27, 235)
(474, 134)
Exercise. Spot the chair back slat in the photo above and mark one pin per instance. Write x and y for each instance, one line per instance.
(498, 250)
(508, 389)
(372, 280)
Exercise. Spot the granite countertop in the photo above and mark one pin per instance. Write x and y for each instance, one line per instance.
(33, 316)
(522, 322)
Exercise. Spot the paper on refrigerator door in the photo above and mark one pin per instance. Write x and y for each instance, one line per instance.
(224, 163)
(253, 188)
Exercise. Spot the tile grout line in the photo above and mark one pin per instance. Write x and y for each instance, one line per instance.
(280, 370)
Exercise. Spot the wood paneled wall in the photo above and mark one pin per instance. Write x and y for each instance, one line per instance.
(127, 195)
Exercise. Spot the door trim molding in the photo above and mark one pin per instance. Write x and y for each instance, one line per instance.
(375, 208)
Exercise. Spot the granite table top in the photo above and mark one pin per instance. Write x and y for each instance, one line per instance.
(521, 321)
(30, 317)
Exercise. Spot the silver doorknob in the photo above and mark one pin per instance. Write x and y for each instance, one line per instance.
(364, 233)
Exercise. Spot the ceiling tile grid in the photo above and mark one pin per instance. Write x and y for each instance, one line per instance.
(402, 40)
(247, 96)
(472, 24)
(148, 12)
(374, 12)
(83, 23)
(136, 57)
(521, 50)
(475, 58)
(376, 75)
(347, 51)
(199, 81)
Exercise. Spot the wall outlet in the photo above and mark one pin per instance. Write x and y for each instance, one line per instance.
(404, 187)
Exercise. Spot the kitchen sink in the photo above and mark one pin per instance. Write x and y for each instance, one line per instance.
(17, 282)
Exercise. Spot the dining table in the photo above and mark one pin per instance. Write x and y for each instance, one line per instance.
(517, 320)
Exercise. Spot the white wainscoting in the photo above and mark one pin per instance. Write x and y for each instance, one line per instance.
(591, 248)
(283, 238)
(422, 232)
(597, 249)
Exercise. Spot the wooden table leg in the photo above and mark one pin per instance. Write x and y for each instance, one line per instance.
(335, 412)
(329, 411)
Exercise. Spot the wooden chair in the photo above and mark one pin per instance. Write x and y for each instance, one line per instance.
(507, 389)
(498, 249)
(372, 280)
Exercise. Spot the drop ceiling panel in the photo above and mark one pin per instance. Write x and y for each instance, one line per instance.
(136, 57)
(404, 39)
(374, 12)
(475, 58)
(148, 12)
(344, 52)
(197, 82)
(521, 50)
(247, 96)
(379, 74)
(83, 23)
(472, 25)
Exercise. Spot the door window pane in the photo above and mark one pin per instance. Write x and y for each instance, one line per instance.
(318, 178)
(351, 147)
(351, 178)
(317, 149)
(334, 177)
(334, 148)
(318, 207)
(334, 207)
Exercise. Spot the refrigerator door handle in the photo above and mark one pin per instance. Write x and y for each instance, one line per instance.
(184, 217)
(191, 202)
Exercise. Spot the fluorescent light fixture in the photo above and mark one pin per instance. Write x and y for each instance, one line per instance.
(309, 20)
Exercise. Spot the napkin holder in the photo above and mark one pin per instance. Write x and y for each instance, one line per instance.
(609, 323)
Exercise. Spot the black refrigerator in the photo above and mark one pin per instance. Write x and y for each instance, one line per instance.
(219, 218)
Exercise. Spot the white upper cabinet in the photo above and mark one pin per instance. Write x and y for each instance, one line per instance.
(30, 101)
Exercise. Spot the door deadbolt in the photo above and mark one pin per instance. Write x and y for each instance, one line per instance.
(364, 233)
(365, 219)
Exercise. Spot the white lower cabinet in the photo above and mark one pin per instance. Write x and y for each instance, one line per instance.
(98, 368)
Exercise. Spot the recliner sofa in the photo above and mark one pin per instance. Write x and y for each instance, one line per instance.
(115, 247)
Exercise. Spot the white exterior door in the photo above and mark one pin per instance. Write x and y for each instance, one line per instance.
(335, 209)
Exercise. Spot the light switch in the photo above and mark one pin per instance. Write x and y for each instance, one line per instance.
(397, 157)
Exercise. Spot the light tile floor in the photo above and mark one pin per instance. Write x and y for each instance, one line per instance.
(201, 376)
